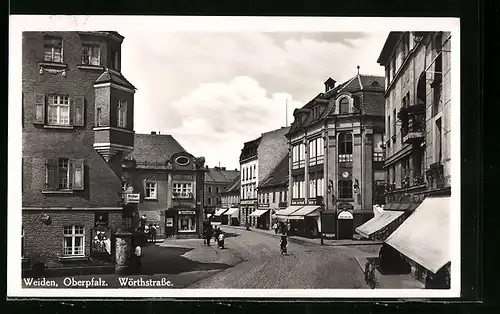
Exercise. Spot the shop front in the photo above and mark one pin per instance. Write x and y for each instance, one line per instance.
(230, 217)
(306, 221)
(181, 222)
(262, 217)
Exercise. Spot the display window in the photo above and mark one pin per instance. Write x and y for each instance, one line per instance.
(186, 223)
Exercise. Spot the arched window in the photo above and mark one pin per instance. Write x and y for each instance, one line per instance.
(345, 147)
(344, 105)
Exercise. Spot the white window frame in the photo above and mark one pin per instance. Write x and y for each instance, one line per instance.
(150, 186)
(122, 113)
(88, 57)
(68, 170)
(74, 251)
(58, 102)
(53, 48)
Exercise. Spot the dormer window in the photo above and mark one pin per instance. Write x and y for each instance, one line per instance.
(344, 106)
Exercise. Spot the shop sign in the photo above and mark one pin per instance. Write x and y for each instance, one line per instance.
(132, 198)
(298, 202)
(345, 215)
(187, 212)
(247, 202)
(169, 222)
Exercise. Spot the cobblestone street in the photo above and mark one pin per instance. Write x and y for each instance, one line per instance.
(305, 266)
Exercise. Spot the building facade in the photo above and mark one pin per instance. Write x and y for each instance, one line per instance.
(169, 183)
(217, 181)
(231, 196)
(78, 125)
(258, 158)
(418, 136)
(272, 195)
(336, 162)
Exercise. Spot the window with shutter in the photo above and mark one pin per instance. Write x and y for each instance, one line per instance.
(78, 111)
(52, 174)
(77, 173)
(39, 109)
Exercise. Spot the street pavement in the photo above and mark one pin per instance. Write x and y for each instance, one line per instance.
(305, 266)
(251, 260)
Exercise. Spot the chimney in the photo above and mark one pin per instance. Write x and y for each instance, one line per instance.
(329, 84)
(153, 133)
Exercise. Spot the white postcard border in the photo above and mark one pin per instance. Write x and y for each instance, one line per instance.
(20, 23)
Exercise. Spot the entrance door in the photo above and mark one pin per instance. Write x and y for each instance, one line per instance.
(346, 225)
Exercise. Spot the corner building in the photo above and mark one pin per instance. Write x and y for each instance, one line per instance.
(336, 160)
(169, 184)
(78, 124)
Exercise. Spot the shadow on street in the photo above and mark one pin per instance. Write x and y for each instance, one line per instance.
(168, 260)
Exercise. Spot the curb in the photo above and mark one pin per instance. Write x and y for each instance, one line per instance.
(293, 238)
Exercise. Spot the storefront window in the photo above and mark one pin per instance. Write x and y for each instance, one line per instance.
(186, 223)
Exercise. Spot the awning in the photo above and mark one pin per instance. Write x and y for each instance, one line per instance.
(232, 211)
(380, 225)
(259, 212)
(424, 237)
(287, 211)
(392, 206)
(221, 211)
(309, 211)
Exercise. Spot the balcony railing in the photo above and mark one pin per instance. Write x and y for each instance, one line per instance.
(345, 158)
(184, 195)
(298, 164)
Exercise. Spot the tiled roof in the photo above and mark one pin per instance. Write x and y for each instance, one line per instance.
(279, 176)
(219, 175)
(354, 84)
(111, 76)
(153, 150)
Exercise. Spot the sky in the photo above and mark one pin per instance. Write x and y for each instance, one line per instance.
(215, 91)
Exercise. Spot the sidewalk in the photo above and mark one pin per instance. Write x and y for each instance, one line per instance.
(202, 253)
(392, 281)
(327, 242)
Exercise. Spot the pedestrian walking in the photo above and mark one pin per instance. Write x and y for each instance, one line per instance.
(137, 259)
(275, 227)
(153, 230)
(209, 234)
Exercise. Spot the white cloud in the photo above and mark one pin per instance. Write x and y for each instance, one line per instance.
(217, 118)
(213, 91)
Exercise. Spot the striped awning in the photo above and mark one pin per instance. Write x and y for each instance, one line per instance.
(259, 212)
(221, 211)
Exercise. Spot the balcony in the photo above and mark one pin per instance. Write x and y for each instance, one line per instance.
(412, 123)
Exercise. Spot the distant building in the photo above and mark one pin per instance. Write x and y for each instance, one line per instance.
(170, 184)
(272, 195)
(77, 126)
(230, 201)
(417, 148)
(335, 157)
(258, 158)
(217, 180)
